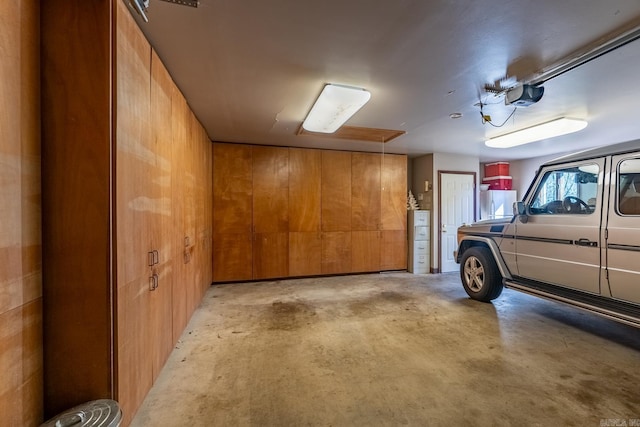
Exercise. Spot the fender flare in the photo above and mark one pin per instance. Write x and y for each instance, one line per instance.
(493, 247)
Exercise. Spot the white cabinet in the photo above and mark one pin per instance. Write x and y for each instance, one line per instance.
(419, 229)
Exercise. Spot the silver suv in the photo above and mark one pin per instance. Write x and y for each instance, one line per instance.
(575, 237)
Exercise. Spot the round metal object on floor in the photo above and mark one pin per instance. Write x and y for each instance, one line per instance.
(96, 413)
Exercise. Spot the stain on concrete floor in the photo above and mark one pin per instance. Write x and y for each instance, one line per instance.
(393, 349)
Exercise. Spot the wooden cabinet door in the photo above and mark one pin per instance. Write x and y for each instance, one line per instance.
(394, 192)
(190, 211)
(135, 159)
(208, 219)
(336, 191)
(202, 255)
(393, 250)
(232, 257)
(179, 116)
(336, 252)
(270, 212)
(305, 172)
(270, 189)
(232, 188)
(365, 191)
(365, 251)
(135, 163)
(161, 215)
(135, 374)
(270, 255)
(232, 212)
(305, 254)
(393, 253)
(305, 243)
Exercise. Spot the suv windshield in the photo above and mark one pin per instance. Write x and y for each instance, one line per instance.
(568, 190)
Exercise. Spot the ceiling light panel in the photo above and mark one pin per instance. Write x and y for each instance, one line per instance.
(539, 132)
(335, 105)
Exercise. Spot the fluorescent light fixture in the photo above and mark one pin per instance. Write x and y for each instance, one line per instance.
(546, 130)
(335, 105)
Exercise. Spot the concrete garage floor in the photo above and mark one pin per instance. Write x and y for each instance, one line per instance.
(393, 349)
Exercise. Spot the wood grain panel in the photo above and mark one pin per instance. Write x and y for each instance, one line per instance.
(189, 212)
(365, 251)
(270, 189)
(232, 257)
(21, 280)
(202, 248)
(357, 133)
(20, 207)
(336, 252)
(160, 322)
(394, 192)
(336, 191)
(393, 252)
(20, 196)
(135, 165)
(208, 261)
(76, 107)
(135, 373)
(232, 188)
(365, 191)
(305, 254)
(305, 172)
(190, 186)
(21, 362)
(135, 158)
(179, 117)
(270, 255)
(110, 201)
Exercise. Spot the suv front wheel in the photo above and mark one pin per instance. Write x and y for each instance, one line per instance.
(479, 273)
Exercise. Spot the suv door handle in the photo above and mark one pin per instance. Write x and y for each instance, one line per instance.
(585, 242)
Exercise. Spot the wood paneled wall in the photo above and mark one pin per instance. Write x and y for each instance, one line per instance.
(76, 153)
(286, 212)
(128, 217)
(20, 231)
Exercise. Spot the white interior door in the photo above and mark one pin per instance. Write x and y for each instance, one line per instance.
(457, 207)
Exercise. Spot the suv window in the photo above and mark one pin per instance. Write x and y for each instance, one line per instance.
(569, 190)
(629, 187)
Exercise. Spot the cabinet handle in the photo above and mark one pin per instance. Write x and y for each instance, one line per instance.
(150, 258)
(155, 281)
(152, 283)
(186, 241)
(156, 257)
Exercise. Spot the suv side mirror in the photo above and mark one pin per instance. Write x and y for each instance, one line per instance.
(520, 209)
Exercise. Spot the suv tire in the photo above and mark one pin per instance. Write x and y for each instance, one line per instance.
(479, 273)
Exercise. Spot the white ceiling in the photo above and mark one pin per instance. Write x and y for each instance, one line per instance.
(252, 69)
